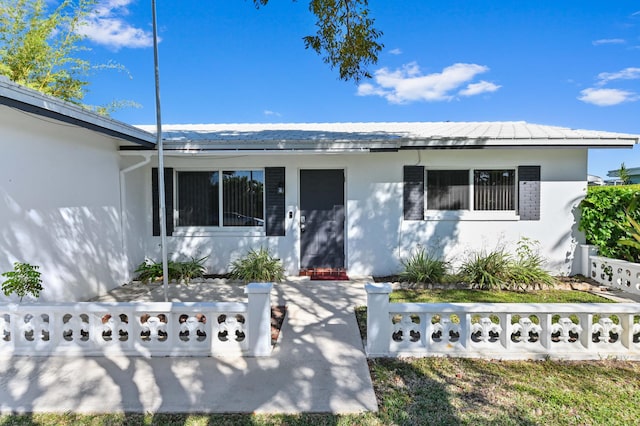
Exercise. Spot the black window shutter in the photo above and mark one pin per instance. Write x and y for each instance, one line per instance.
(529, 192)
(275, 208)
(168, 195)
(413, 193)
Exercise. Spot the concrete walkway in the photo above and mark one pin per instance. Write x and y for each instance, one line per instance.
(318, 364)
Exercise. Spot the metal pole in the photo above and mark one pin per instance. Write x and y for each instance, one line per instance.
(163, 218)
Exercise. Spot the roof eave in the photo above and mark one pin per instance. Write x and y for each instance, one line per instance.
(24, 99)
(461, 143)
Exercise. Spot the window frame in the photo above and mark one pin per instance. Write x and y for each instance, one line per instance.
(203, 230)
(471, 213)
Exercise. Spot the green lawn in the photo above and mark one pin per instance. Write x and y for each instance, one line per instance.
(450, 391)
(492, 296)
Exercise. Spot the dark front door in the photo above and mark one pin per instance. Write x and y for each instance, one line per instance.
(322, 218)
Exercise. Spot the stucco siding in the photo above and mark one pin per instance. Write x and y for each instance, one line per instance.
(377, 237)
(60, 205)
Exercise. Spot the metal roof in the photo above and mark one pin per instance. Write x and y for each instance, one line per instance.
(342, 137)
(14, 95)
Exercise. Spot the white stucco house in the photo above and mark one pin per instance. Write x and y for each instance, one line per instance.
(79, 199)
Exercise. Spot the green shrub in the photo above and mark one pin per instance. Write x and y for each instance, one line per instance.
(632, 229)
(422, 267)
(190, 269)
(526, 270)
(257, 266)
(498, 269)
(149, 270)
(486, 270)
(602, 211)
(23, 280)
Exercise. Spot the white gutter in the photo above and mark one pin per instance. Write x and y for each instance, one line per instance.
(123, 202)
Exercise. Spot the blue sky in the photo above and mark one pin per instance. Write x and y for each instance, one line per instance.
(567, 63)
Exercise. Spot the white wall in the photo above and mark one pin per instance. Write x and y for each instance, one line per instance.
(60, 205)
(376, 234)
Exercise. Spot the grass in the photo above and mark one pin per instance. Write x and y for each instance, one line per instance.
(492, 296)
(475, 392)
(449, 391)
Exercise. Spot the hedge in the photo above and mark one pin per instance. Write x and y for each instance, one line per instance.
(603, 219)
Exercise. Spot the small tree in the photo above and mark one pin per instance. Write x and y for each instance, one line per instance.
(623, 174)
(23, 280)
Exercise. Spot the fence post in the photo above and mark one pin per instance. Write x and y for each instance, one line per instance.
(259, 318)
(586, 251)
(378, 322)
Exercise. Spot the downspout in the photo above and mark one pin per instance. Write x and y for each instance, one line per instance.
(123, 203)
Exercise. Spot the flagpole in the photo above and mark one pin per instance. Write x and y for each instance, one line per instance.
(161, 191)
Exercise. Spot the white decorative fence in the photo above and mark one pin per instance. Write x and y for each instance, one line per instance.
(611, 272)
(578, 331)
(140, 329)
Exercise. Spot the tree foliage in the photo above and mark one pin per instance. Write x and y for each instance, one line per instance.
(623, 174)
(39, 49)
(346, 36)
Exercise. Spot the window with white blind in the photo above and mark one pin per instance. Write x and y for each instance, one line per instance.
(477, 190)
(220, 198)
(494, 189)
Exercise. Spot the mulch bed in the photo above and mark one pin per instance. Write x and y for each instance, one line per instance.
(278, 314)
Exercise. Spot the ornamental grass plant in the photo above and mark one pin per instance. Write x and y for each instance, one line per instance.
(257, 266)
(500, 270)
(150, 271)
(422, 267)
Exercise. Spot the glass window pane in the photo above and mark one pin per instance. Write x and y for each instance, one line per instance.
(242, 198)
(448, 189)
(198, 199)
(494, 190)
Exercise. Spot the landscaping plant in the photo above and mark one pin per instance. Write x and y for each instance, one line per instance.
(499, 270)
(150, 271)
(602, 212)
(190, 269)
(486, 270)
(257, 266)
(632, 228)
(423, 267)
(526, 271)
(23, 280)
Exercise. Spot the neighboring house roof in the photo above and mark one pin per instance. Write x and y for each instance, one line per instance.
(342, 137)
(631, 171)
(16, 96)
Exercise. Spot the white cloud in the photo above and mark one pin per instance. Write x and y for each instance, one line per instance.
(625, 74)
(107, 27)
(607, 97)
(408, 84)
(479, 88)
(270, 113)
(395, 51)
(609, 41)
